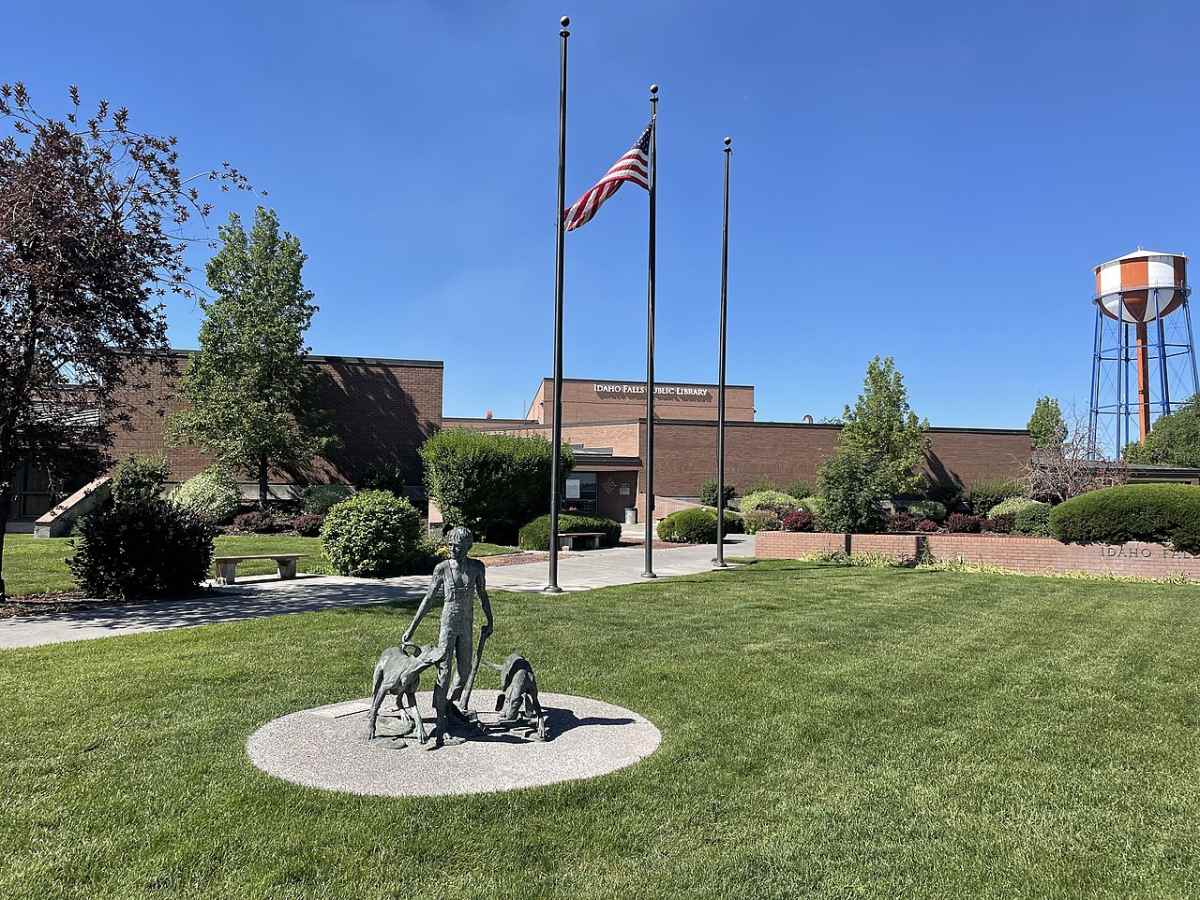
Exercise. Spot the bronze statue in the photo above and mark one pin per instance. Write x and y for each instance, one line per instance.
(459, 579)
(518, 702)
(398, 672)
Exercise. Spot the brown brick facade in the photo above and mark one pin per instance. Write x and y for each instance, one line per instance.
(382, 411)
(1019, 554)
(597, 400)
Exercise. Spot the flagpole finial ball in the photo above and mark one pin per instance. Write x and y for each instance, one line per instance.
(565, 21)
(728, 141)
(654, 89)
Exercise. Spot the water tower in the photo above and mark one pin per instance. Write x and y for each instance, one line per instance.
(1144, 361)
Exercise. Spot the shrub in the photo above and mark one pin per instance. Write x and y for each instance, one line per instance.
(708, 492)
(373, 533)
(258, 521)
(317, 499)
(761, 483)
(927, 525)
(141, 549)
(213, 494)
(799, 520)
(901, 521)
(998, 524)
(800, 488)
(489, 482)
(927, 509)
(853, 492)
(308, 524)
(776, 501)
(1033, 520)
(697, 526)
(756, 520)
(536, 534)
(813, 504)
(960, 523)
(138, 479)
(986, 494)
(1010, 507)
(1159, 513)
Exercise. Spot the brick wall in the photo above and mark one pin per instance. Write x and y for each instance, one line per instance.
(382, 411)
(583, 403)
(1019, 554)
(786, 452)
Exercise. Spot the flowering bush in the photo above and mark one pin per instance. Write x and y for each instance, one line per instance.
(927, 525)
(901, 521)
(757, 520)
(308, 525)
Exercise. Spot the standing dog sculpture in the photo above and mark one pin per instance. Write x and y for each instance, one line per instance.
(518, 703)
(398, 672)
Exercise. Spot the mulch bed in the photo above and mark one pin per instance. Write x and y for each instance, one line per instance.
(40, 604)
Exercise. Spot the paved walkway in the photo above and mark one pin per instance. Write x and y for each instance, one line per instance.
(266, 595)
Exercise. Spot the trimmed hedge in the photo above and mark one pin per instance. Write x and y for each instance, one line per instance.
(536, 534)
(1010, 507)
(1158, 513)
(1033, 519)
(373, 533)
(213, 494)
(696, 526)
(777, 501)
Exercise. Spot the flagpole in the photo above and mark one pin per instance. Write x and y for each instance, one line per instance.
(720, 560)
(653, 179)
(556, 429)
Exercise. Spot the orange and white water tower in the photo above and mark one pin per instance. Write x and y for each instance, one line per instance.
(1143, 346)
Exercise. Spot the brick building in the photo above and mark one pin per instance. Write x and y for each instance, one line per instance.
(605, 423)
(383, 410)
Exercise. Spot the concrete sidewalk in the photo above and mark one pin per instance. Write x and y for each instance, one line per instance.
(266, 595)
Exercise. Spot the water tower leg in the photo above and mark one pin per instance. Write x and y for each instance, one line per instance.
(1120, 379)
(1191, 347)
(1094, 395)
(1143, 380)
(1164, 393)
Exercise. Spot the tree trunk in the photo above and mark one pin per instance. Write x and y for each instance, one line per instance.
(5, 508)
(262, 483)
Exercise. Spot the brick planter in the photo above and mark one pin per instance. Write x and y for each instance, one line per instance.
(1020, 554)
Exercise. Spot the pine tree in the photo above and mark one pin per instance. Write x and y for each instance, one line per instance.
(1047, 429)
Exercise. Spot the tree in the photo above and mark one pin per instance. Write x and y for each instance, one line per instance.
(1174, 440)
(884, 429)
(251, 393)
(1069, 469)
(92, 217)
(1047, 429)
(491, 483)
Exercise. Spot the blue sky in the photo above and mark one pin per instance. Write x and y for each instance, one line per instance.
(932, 181)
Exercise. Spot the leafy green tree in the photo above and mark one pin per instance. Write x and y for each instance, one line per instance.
(1047, 429)
(1174, 440)
(251, 393)
(883, 428)
(853, 492)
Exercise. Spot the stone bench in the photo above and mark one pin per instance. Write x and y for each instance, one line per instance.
(588, 538)
(227, 565)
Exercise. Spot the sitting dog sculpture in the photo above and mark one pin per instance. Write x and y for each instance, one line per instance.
(518, 703)
(398, 672)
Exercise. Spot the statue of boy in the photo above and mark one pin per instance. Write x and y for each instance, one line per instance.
(458, 579)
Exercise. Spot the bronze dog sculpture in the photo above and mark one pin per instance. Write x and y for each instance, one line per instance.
(518, 701)
(398, 672)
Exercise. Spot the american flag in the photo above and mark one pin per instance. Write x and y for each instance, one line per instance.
(632, 166)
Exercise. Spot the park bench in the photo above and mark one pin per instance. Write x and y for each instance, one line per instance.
(227, 565)
(588, 538)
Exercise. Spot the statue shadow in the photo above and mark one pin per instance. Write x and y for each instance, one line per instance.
(558, 722)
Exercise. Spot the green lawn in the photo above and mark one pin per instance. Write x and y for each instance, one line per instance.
(826, 731)
(36, 565)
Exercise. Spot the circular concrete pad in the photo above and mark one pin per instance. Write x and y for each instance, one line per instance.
(324, 748)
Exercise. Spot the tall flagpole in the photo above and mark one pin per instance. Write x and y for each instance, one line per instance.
(653, 172)
(720, 560)
(556, 430)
